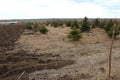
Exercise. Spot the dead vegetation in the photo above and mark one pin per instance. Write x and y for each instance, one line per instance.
(54, 57)
(16, 63)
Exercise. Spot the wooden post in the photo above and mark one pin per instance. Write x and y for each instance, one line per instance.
(110, 55)
(21, 75)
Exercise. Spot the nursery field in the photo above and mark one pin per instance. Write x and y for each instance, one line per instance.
(27, 54)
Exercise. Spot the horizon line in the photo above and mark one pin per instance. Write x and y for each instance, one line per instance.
(53, 18)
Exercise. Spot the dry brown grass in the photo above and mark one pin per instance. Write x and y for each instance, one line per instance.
(51, 53)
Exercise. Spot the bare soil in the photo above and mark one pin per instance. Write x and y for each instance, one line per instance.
(54, 57)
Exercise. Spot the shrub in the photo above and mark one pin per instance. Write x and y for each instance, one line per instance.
(69, 23)
(117, 31)
(56, 23)
(102, 24)
(75, 24)
(36, 27)
(109, 25)
(96, 23)
(47, 23)
(29, 26)
(75, 35)
(85, 25)
(43, 30)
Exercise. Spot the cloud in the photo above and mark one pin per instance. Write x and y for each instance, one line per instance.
(19, 9)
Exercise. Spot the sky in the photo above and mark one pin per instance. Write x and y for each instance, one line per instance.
(32, 9)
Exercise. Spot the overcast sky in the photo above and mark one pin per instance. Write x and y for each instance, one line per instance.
(26, 9)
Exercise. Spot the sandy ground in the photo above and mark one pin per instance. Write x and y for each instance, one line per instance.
(90, 54)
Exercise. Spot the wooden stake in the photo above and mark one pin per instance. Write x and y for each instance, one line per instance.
(21, 75)
(110, 55)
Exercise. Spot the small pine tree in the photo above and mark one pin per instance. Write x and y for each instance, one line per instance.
(96, 23)
(75, 24)
(109, 25)
(69, 23)
(43, 30)
(102, 24)
(75, 34)
(85, 25)
(29, 26)
(54, 23)
(57, 23)
(36, 27)
(117, 31)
